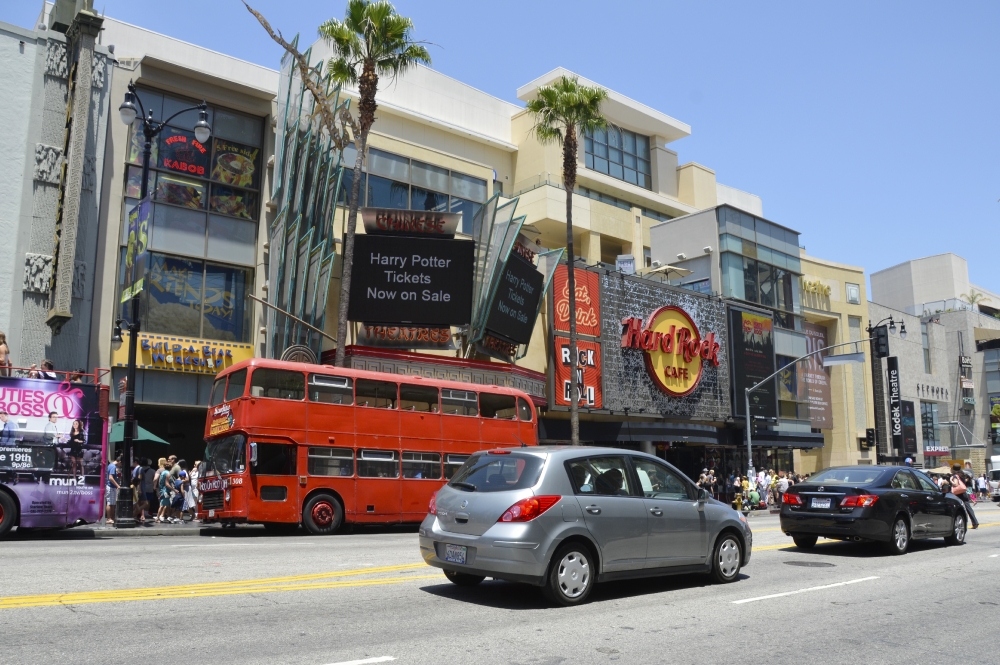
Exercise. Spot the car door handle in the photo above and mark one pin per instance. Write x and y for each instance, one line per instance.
(656, 511)
(593, 510)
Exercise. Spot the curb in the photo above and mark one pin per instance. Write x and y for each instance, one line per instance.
(100, 532)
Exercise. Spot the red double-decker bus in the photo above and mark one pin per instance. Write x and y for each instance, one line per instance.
(290, 443)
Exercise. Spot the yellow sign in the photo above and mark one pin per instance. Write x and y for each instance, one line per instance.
(815, 286)
(182, 354)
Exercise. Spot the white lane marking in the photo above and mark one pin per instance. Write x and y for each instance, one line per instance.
(378, 659)
(792, 593)
(993, 556)
(235, 544)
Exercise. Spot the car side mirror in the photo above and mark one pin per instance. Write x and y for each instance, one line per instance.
(253, 454)
(702, 495)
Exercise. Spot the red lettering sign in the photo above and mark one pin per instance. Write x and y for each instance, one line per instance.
(675, 353)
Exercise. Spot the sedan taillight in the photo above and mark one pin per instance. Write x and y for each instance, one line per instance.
(432, 507)
(791, 499)
(858, 501)
(528, 509)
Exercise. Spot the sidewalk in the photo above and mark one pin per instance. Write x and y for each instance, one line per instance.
(101, 530)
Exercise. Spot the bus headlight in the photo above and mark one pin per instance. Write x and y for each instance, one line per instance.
(227, 496)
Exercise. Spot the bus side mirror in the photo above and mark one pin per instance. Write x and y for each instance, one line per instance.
(253, 454)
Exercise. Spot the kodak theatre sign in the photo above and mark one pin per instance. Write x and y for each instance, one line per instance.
(675, 351)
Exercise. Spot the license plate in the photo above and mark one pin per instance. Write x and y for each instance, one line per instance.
(455, 553)
(821, 503)
(211, 513)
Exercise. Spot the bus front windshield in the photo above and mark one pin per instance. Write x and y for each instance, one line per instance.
(226, 455)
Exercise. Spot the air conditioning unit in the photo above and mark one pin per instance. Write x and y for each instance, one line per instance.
(681, 256)
(707, 250)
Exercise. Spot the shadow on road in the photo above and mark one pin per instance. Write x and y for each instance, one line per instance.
(866, 550)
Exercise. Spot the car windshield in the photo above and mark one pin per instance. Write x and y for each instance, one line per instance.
(226, 455)
(498, 472)
(846, 476)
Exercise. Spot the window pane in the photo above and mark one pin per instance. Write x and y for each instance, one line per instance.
(615, 171)
(429, 177)
(129, 204)
(384, 193)
(600, 165)
(498, 473)
(614, 137)
(137, 143)
(277, 384)
(218, 392)
(524, 409)
(331, 461)
(497, 406)
(237, 384)
(388, 165)
(275, 459)
(376, 394)
(642, 147)
(378, 463)
(179, 191)
(236, 202)
(469, 209)
(453, 463)
(628, 142)
(331, 389)
(172, 105)
(615, 156)
(659, 482)
(601, 135)
(232, 240)
(236, 164)
(134, 182)
(766, 285)
(644, 167)
(237, 127)
(150, 100)
(422, 465)
(178, 230)
(459, 402)
(418, 398)
(182, 153)
(173, 296)
(630, 176)
(468, 187)
(226, 310)
(600, 150)
(425, 199)
(750, 280)
(600, 475)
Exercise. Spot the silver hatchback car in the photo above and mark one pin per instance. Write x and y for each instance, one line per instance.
(565, 518)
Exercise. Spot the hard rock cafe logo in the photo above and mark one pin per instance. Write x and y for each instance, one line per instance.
(675, 352)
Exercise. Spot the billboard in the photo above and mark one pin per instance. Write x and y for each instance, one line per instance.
(419, 281)
(909, 426)
(588, 373)
(752, 335)
(515, 305)
(815, 383)
(588, 301)
(675, 352)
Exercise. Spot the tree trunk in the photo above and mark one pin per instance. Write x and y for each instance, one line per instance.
(569, 180)
(368, 86)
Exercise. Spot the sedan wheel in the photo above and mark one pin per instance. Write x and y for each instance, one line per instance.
(900, 537)
(959, 528)
(727, 559)
(571, 577)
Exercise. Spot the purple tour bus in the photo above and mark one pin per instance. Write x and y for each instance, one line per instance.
(53, 450)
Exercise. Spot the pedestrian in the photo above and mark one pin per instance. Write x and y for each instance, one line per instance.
(782, 487)
(111, 494)
(960, 489)
(138, 494)
(5, 362)
(76, 441)
(77, 375)
(164, 488)
(195, 492)
(48, 371)
(7, 431)
(149, 485)
(984, 485)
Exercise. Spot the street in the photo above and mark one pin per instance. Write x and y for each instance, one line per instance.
(247, 598)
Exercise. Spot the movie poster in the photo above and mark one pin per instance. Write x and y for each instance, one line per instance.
(752, 337)
(816, 378)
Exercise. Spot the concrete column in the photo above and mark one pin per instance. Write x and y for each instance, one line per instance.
(696, 185)
(663, 163)
(647, 447)
(590, 247)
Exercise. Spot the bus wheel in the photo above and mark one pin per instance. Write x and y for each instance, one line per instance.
(322, 515)
(8, 513)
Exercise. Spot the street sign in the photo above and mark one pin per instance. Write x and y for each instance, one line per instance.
(895, 403)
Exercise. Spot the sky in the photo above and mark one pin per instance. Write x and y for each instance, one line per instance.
(870, 127)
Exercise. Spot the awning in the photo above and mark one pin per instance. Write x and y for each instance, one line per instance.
(555, 430)
(117, 435)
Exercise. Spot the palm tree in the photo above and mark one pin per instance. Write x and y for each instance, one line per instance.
(372, 41)
(562, 111)
(974, 297)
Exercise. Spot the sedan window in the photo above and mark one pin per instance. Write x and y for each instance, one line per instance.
(847, 476)
(926, 483)
(903, 480)
(659, 482)
(604, 476)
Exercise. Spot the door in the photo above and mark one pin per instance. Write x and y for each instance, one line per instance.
(614, 513)
(678, 530)
(935, 505)
(275, 482)
(914, 499)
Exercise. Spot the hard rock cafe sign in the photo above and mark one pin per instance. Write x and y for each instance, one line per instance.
(675, 352)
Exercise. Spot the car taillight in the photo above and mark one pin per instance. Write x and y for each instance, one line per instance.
(858, 501)
(432, 507)
(528, 509)
(791, 499)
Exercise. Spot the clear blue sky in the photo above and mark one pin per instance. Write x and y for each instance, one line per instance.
(871, 127)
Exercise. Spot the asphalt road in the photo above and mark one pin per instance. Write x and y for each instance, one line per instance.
(366, 597)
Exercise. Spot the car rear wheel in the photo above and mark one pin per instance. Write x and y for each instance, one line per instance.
(959, 529)
(463, 579)
(322, 515)
(571, 575)
(726, 559)
(8, 513)
(804, 542)
(900, 536)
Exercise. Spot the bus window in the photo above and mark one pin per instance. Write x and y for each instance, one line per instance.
(378, 463)
(277, 384)
(377, 394)
(453, 463)
(418, 398)
(422, 465)
(331, 389)
(459, 402)
(275, 459)
(524, 409)
(218, 392)
(497, 406)
(331, 462)
(237, 383)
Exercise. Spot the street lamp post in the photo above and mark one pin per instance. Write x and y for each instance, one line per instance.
(130, 114)
(878, 391)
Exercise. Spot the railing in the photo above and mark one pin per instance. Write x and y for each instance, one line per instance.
(71, 376)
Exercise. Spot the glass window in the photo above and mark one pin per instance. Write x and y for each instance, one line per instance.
(384, 193)
(275, 459)
(467, 187)
(178, 230)
(137, 143)
(172, 105)
(218, 392)
(173, 296)
(750, 276)
(929, 424)
(659, 482)
(418, 398)
(904, 480)
(237, 384)
(232, 240)
(331, 461)
(376, 394)
(180, 152)
(346, 180)
(179, 191)
(853, 293)
(422, 465)
(619, 153)
(925, 342)
(425, 199)
(524, 409)
(459, 402)
(429, 177)
(469, 209)
(452, 463)
(378, 463)
(389, 165)
(493, 472)
(847, 476)
(605, 476)
(226, 308)
(277, 384)
(926, 484)
(497, 406)
(134, 182)
(150, 100)
(766, 285)
(237, 127)
(331, 389)
(234, 202)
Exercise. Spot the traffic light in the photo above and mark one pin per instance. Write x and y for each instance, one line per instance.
(869, 438)
(881, 335)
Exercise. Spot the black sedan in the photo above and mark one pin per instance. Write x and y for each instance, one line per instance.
(887, 504)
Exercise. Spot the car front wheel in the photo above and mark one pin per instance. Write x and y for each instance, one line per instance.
(726, 559)
(959, 528)
(571, 575)
(899, 537)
